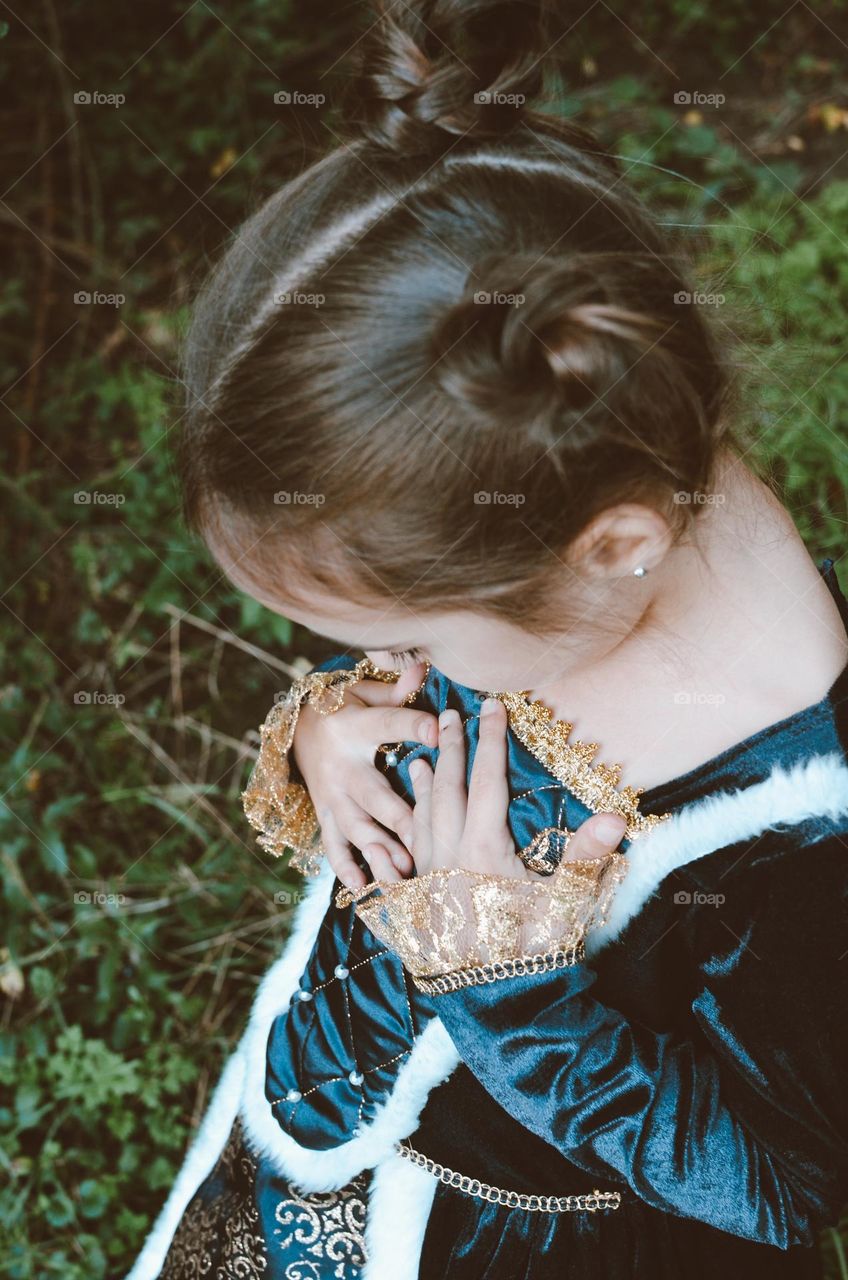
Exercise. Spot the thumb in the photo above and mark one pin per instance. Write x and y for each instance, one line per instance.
(377, 694)
(597, 836)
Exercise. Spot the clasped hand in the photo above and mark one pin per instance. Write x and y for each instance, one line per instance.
(451, 824)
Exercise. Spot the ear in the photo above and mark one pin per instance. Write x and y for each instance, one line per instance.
(620, 539)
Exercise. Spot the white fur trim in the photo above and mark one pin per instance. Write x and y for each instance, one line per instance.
(813, 788)
(399, 1202)
(202, 1155)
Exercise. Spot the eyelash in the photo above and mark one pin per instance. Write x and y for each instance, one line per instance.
(405, 657)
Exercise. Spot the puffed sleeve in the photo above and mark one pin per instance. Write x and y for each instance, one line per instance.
(744, 1123)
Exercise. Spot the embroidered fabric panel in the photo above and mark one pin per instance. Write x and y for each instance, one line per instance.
(219, 1235)
(247, 1223)
(318, 1235)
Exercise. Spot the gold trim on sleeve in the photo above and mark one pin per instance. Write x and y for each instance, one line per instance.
(455, 919)
(279, 808)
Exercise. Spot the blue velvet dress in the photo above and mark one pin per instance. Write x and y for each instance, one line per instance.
(696, 1066)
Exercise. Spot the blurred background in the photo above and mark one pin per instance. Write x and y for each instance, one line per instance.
(138, 912)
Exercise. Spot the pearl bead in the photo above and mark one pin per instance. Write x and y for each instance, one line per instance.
(294, 1095)
(304, 995)
(340, 971)
(355, 1077)
(391, 759)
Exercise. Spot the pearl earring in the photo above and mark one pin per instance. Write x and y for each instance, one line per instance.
(640, 572)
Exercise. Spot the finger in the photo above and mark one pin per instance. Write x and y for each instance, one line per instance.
(359, 828)
(597, 836)
(488, 792)
(380, 863)
(450, 799)
(379, 694)
(339, 854)
(401, 724)
(381, 802)
(421, 777)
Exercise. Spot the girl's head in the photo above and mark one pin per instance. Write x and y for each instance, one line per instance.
(448, 372)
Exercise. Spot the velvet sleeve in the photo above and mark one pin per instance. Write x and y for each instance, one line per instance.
(741, 1123)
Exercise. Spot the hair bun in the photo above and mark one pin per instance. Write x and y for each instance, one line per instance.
(533, 340)
(441, 69)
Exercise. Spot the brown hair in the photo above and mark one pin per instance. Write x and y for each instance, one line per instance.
(425, 364)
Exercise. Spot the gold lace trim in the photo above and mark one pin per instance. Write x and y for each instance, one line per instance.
(589, 1202)
(279, 808)
(454, 919)
(596, 786)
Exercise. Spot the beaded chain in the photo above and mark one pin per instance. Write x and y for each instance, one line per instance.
(473, 977)
(589, 1202)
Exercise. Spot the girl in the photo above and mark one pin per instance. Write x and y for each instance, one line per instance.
(559, 1019)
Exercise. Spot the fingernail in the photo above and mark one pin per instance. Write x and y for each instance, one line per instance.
(610, 828)
(426, 732)
(448, 718)
(367, 856)
(489, 705)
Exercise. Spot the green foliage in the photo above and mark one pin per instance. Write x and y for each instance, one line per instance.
(138, 911)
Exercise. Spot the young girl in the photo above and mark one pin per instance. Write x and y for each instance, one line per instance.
(539, 1015)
